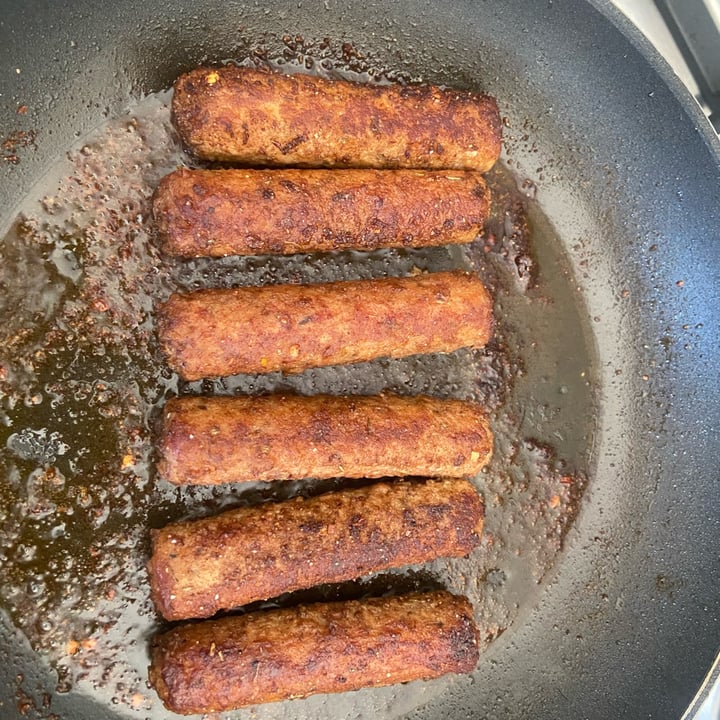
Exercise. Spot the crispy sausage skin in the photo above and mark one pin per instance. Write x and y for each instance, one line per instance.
(215, 213)
(210, 333)
(258, 117)
(200, 567)
(213, 440)
(322, 648)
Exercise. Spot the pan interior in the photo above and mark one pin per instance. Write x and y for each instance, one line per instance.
(626, 624)
(84, 383)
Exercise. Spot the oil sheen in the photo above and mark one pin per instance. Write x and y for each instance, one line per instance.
(82, 383)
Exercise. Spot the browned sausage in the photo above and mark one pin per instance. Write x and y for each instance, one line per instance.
(210, 333)
(200, 567)
(258, 117)
(252, 212)
(327, 647)
(207, 441)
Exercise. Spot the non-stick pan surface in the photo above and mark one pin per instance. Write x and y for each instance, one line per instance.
(630, 621)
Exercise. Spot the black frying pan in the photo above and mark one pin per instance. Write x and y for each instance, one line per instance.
(629, 622)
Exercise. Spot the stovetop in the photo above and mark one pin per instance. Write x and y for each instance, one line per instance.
(687, 34)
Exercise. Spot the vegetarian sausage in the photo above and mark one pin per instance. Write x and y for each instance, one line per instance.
(291, 328)
(213, 440)
(200, 567)
(253, 212)
(326, 647)
(257, 117)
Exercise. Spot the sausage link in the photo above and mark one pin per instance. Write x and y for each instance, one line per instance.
(322, 648)
(215, 213)
(200, 567)
(291, 328)
(208, 441)
(258, 117)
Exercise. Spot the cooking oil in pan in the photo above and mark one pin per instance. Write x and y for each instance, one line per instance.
(82, 383)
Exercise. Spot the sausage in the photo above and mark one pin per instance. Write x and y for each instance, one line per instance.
(258, 117)
(213, 440)
(200, 567)
(252, 212)
(290, 328)
(329, 647)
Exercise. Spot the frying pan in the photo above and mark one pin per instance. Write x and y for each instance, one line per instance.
(629, 621)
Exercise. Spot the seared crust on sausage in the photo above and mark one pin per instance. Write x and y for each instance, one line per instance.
(212, 440)
(259, 117)
(200, 567)
(252, 212)
(291, 328)
(327, 647)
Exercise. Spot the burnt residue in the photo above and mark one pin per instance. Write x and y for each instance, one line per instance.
(79, 376)
(16, 141)
(82, 384)
(508, 234)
